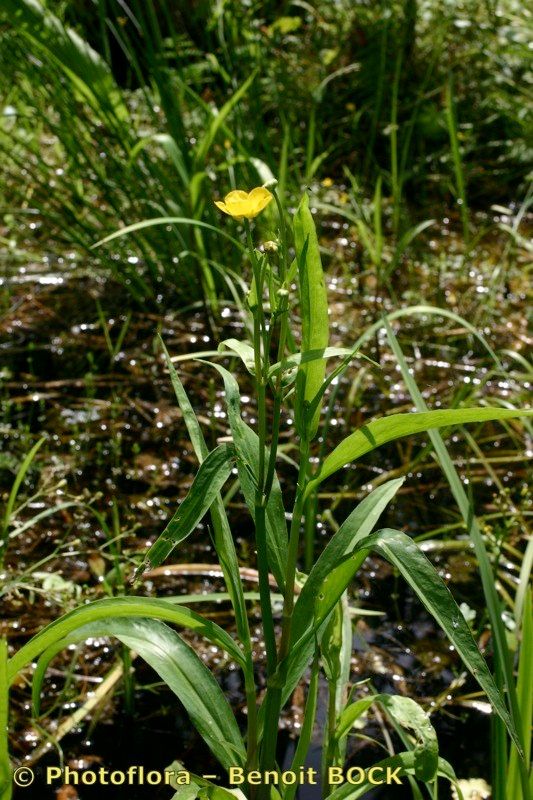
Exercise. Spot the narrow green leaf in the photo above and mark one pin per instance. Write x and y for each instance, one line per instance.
(169, 145)
(209, 480)
(503, 662)
(219, 118)
(148, 223)
(306, 734)
(21, 474)
(246, 443)
(387, 429)
(314, 312)
(408, 714)
(400, 550)
(189, 417)
(184, 673)
(121, 607)
(224, 543)
(358, 525)
(524, 691)
(405, 763)
(304, 631)
(243, 350)
(296, 359)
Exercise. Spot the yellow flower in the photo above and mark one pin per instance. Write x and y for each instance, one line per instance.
(245, 204)
(327, 182)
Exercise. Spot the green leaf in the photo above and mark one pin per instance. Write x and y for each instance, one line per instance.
(524, 690)
(406, 764)
(169, 145)
(387, 429)
(296, 359)
(408, 714)
(306, 733)
(314, 312)
(219, 118)
(503, 658)
(148, 223)
(243, 350)
(21, 474)
(357, 526)
(121, 607)
(246, 443)
(184, 673)
(400, 550)
(210, 478)
(224, 544)
(82, 65)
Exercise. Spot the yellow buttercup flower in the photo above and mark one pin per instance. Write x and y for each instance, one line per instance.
(245, 204)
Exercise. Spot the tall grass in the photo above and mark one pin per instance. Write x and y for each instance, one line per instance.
(135, 111)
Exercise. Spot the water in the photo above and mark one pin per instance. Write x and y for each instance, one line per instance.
(115, 439)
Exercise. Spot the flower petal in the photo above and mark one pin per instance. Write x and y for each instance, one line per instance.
(222, 206)
(236, 195)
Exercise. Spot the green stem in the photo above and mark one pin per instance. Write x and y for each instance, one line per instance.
(332, 725)
(5, 764)
(251, 703)
(276, 684)
(261, 498)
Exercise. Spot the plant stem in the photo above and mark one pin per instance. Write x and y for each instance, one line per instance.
(261, 498)
(5, 765)
(276, 684)
(251, 703)
(396, 186)
(332, 725)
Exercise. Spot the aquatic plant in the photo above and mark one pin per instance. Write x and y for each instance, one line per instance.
(315, 636)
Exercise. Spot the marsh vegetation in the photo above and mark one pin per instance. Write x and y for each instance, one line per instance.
(245, 455)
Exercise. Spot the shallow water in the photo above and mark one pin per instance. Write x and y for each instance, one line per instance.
(115, 439)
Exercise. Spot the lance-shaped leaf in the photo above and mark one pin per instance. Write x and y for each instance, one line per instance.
(314, 313)
(210, 478)
(184, 673)
(408, 714)
(148, 607)
(224, 544)
(387, 429)
(243, 350)
(246, 443)
(400, 764)
(358, 525)
(400, 550)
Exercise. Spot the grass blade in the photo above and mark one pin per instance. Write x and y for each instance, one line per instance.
(209, 480)
(485, 569)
